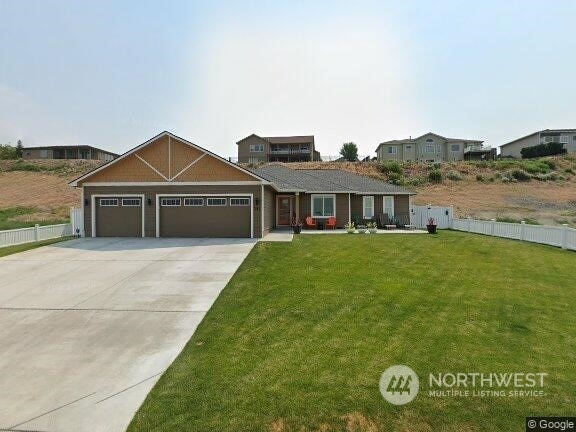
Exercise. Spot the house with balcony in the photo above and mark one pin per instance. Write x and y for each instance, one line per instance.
(68, 152)
(567, 137)
(430, 147)
(255, 149)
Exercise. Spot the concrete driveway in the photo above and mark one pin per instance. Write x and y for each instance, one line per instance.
(89, 325)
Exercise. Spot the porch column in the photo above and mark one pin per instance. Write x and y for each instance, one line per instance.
(349, 210)
(297, 215)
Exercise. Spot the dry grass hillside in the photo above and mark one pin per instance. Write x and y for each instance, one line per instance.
(38, 192)
(539, 191)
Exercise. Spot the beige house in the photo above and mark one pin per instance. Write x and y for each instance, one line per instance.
(256, 149)
(429, 147)
(564, 136)
(68, 152)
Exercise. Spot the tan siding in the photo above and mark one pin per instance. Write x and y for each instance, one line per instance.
(130, 169)
(182, 155)
(211, 169)
(156, 154)
(150, 193)
(244, 153)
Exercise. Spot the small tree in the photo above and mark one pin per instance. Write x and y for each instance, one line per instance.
(349, 151)
(19, 149)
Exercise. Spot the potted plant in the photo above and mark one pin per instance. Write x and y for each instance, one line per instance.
(431, 226)
(350, 228)
(362, 229)
(372, 227)
(296, 225)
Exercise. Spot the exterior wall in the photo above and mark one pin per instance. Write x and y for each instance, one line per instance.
(150, 193)
(35, 154)
(515, 148)
(401, 205)
(95, 154)
(244, 153)
(341, 208)
(269, 209)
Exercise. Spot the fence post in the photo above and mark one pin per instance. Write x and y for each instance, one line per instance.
(522, 230)
(565, 236)
(492, 226)
(469, 223)
(36, 232)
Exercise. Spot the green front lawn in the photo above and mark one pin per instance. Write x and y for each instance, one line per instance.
(298, 339)
(26, 217)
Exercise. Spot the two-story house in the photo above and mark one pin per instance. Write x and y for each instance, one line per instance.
(429, 147)
(256, 149)
(565, 136)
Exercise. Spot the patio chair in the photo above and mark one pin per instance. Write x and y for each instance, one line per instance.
(404, 222)
(309, 223)
(331, 222)
(385, 222)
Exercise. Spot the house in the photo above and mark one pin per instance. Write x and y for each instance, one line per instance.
(170, 187)
(68, 152)
(564, 136)
(429, 147)
(256, 149)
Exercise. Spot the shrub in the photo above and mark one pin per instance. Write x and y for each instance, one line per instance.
(536, 167)
(520, 175)
(415, 181)
(569, 171)
(480, 178)
(546, 149)
(397, 179)
(392, 166)
(551, 164)
(454, 175)
(435, 176)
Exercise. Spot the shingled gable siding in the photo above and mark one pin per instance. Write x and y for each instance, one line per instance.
(150, 193)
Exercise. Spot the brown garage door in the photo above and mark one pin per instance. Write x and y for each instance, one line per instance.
(203, 216)
(119, 217)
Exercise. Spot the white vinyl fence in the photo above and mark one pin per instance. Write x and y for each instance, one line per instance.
(39, 233)
(560, 236)
(419, 216)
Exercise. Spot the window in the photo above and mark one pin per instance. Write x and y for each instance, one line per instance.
(216, 202)
(256, 148)
(108, 202)
(303, 147)
(574, 138)
(253, 159)
(323, 205)
(455, 147)
(193, 202)
(392, 150)
(84, 154)
(429, 140)
(239, 201)
(389, 206)
(170, 202)
(130, 202)
(43, 153)
(368, 207)
(429, 149)
(408, 147)
(564, 139)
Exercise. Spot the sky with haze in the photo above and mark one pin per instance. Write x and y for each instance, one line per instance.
(112, 74)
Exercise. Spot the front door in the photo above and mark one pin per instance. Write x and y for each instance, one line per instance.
(284, 210)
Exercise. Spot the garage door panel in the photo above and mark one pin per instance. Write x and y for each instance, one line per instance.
(121, 220)
(204, 220)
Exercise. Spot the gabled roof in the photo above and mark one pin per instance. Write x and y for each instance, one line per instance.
(151, 140)
(409, 140)
(539, 132)
(329, 180)
(298, 139)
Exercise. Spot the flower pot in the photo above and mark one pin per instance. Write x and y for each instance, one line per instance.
(350, 231)
(296, 229)
(362, 230)
(373, 230)
(431, 229)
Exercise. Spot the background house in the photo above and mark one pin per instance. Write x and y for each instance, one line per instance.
(429, 147)
(564, 136)
(256, 149)
(68, 152)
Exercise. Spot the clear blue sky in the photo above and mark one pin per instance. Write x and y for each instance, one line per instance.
(113, 74)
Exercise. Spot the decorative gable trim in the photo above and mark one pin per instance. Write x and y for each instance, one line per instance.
(169, 179)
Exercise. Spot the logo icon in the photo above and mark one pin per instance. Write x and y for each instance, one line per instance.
(399, 384)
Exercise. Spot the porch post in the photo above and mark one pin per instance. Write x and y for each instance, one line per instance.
(297, 211)
(349, 210)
